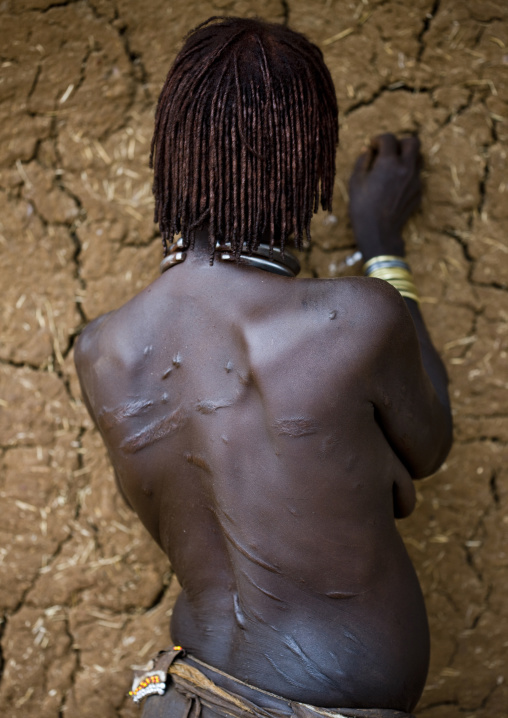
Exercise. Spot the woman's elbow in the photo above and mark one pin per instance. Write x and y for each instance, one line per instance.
(438, 449)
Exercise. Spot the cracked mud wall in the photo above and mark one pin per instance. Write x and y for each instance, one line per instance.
(84, 593)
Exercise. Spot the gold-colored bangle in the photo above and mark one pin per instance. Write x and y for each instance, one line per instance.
(402, 285)
(397, 280)
(392, 272)
(407, 289)
(398, 261)
(400, 277)
(408, 286)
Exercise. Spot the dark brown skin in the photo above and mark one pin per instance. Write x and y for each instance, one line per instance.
(266, 431)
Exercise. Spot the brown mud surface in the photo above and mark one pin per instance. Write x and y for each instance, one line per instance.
(84, 593)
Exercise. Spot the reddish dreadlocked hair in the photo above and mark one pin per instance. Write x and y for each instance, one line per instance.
(245, 132)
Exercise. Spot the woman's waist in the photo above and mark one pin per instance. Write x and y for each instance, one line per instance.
(351, 652)
(315, 675)
(202, 686)
(236, 692)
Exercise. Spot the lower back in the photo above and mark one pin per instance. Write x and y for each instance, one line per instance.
(368, 650)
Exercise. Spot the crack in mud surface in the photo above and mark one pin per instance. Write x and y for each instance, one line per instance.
(84, 592)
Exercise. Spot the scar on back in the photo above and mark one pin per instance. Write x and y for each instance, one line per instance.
(153, 432)
(112, 417)
(198, 461)
(295, 428)
(209, 406)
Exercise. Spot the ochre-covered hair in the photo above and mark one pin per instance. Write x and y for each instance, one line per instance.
(245, 136)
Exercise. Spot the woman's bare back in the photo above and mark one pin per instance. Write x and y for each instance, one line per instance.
(252, 427)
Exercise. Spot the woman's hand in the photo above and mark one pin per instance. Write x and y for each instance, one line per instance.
(384, 190)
